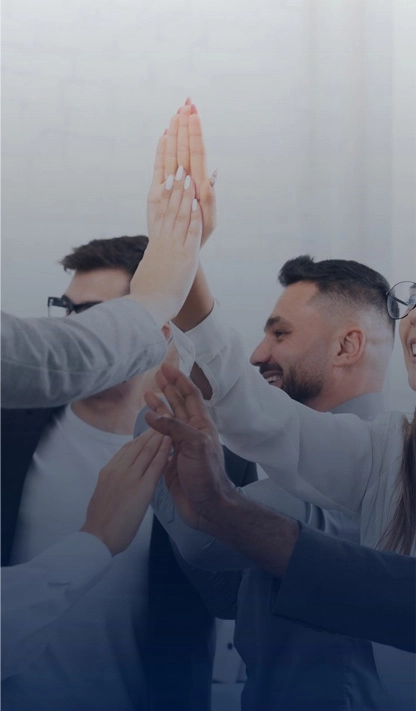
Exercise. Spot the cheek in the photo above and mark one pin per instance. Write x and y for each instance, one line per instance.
(403, 328)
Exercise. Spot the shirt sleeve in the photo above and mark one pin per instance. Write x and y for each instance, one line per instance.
(48, 362)
(350, 589)
(37, 593)
(323, 458)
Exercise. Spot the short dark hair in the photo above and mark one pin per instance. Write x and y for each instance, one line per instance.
(344, 280)
(116, 252)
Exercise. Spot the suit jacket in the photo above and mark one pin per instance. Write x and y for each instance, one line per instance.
(179, 644)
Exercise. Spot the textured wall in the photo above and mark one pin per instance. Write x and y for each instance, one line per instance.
(309, 115)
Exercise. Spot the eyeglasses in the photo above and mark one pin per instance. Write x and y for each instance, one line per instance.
(63, 306)
(401, 299)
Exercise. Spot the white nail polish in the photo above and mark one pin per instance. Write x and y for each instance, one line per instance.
(194, 205)
(179, 173)
(187, 182)
(169, 182)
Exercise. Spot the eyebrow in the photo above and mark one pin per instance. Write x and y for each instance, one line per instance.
(274, 321)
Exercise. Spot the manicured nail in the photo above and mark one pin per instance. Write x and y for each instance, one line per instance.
(194, 205)
(169, 182)
(179, 173)
(187, 183)
(213, 178)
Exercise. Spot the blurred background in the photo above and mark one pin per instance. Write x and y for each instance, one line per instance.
(309, 114)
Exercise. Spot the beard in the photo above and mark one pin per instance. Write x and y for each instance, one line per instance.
(298, 382)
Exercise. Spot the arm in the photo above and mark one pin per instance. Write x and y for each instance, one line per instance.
(351, 590)
(37, 593)
(376, 590)
(47, 362)
(323, 458)
(202, 551)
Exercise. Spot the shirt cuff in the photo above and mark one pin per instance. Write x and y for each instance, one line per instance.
(76, 562)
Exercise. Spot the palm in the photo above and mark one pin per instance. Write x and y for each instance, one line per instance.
(183, 145)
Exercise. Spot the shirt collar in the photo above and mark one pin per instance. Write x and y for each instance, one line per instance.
(365, 406)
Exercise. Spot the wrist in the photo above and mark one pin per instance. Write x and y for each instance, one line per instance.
(157, 305)
(215, 515)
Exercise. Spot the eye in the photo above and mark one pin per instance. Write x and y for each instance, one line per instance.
(278, 333)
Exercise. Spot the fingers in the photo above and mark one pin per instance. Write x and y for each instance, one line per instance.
(157, 463)
(179, 432)
(143, 456)
(139, 452)
(183, 138)
(197, 150)
(171, 153)
(186, 391)
(159, 166)
(174, 397)
(127, 454)
(156, 404)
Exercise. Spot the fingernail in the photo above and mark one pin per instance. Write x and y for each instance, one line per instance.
(179, 173)
(187, 182)
(179, 110)
(194, 110)
(213, 178)
(169, 182)
(188, 101)
(194, 205)
(165, 132)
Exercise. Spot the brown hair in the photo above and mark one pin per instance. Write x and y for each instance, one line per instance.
(116, 252)
(401, 533)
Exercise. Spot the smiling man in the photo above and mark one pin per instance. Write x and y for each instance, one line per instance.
(328, 338)
(327, 343)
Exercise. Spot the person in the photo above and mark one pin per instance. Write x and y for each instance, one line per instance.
(328, 342)
(81, 438)
(36, 594)
(47, 363)
(300, 449)
(66, 515)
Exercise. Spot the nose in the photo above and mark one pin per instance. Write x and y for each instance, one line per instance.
(262, 353)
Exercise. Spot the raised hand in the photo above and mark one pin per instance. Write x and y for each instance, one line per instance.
(183, 145)
(125, 489)
(195, 476)
(170, 262)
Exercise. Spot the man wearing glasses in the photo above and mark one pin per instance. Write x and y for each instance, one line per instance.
(104, 651)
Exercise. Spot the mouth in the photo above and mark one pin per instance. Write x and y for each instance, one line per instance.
(413, 348)
(274, 377)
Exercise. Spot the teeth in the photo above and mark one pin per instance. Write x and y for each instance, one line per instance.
(413, 348)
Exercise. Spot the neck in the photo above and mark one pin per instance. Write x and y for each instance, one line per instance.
(116, 410)
(110, 418)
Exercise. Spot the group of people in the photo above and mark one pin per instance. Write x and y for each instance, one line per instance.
(106, 606)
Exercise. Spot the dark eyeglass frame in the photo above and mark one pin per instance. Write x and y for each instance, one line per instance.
(393, 298)
(65, 302)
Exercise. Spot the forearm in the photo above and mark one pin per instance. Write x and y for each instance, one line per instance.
(198, 304)
(48, 362)
(36, 594)
(351, 589)
(265, 537)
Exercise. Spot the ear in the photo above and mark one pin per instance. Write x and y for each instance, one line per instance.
(350, 346)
